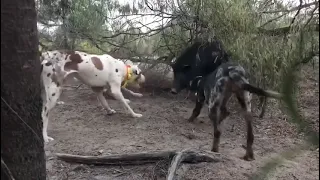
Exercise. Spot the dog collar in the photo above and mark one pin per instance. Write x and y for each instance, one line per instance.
(128, 76)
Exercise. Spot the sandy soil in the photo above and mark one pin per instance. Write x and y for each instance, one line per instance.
(80, 126)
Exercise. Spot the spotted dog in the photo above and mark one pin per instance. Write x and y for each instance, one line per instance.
(100, 72)
(216, 89)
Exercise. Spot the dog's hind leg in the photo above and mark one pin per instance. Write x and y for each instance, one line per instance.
(244, 99)
(105, 104)
(102, 99)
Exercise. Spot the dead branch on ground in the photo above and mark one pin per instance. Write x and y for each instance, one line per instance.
(176, 158)
(176, 161)
(140, 158)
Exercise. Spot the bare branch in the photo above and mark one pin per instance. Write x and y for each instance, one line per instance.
(138, 34)
(155, 10)
(312, 13)
(6, 170)
(307, 59)
(285, 30)
(140, 158)
(294, 18)
(301, 6)
(23, 121)
(274, 19)
(47, 24)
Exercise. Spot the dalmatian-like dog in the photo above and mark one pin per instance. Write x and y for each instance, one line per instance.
(99, 72)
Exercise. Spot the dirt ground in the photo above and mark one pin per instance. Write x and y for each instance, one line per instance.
(80, 126)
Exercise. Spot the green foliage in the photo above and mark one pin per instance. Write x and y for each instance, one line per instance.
(88, 25)
(288, 87)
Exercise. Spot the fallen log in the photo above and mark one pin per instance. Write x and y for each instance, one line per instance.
(141, 158)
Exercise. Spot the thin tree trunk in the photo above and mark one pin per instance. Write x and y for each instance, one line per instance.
(64, 6)
(22, 148)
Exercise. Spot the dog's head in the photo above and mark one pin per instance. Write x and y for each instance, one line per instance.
(137, 77)
(137, 74)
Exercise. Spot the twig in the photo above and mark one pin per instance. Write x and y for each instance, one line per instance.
(78, 86)
(301, 6)
(148, 33)
(311, 15)
(273, 19)
(157, 165)
(21, 119)
(296, 15)
(6, 170)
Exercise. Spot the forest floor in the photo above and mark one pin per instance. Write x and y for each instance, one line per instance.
(81, 127)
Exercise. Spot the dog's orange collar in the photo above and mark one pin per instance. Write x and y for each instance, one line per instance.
(128, 76)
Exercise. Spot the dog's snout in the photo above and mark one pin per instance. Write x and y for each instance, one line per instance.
(173, 91)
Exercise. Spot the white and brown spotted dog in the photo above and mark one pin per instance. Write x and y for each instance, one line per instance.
(99, 72)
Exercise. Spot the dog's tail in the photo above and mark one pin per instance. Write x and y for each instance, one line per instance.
(261, 92)
(237, 76)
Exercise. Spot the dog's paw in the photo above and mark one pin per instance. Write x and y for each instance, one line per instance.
(191, 119)
(60, 102)
(249, 155)
(248, 158)
(47, 139)
(138, 95)
(111, 111)
(136, 115)
(127, 100)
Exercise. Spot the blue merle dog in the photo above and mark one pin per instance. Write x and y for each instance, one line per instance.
(216, 88)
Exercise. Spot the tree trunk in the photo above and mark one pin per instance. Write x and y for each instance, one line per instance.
(22, 147)
(64, 9)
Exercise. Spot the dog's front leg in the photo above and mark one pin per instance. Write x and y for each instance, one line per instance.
(116, 91)
(131, 92)
(196, 111)
(50, 97)
(45, 119)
